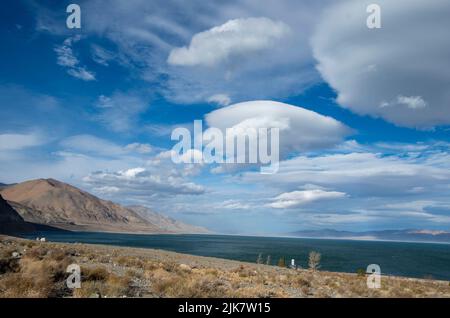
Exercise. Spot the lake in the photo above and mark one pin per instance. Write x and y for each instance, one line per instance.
(422, 260)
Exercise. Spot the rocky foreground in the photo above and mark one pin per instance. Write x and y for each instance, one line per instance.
(38, 269)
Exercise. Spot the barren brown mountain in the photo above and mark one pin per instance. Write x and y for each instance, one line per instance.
(166, 223)
(10, 220)
(54, 203)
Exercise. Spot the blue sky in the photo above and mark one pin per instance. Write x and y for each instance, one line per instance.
(95, 107)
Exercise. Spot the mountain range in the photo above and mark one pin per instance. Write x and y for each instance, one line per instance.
(406, 235)
(60, 205)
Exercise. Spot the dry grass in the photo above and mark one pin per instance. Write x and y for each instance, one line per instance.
(40, 271)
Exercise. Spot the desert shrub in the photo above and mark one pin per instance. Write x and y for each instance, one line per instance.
(299, 281)
(244, 271)
(37, 252)
(6, 252)
(361, 272)
(30, 244)
(98, 282)
(314, 260)
(170, 267)
(282, 262)
(206, 286)
(161, 280)
(8, 265)
(201, 285)
(129, 261)
(57, 255)
(259, 260)
(133, 273)
(117, 286)
(150, 265)
(89, 289)
(35, 278)
(212, 271)
(94, 274)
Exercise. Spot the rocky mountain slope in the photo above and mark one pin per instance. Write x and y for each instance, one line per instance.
(166, 223)
(10, 220)
(57, 204)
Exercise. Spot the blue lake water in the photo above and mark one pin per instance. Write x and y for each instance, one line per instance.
(422, 260)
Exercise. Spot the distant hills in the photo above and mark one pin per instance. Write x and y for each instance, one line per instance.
(4, 185)
(408, 235)
(166, 223)
(54, 203)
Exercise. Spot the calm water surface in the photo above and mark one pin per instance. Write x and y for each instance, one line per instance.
(395, 258)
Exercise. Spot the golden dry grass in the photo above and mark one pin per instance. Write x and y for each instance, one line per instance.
(120, 272)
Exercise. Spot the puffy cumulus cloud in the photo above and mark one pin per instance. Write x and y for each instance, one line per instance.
(398, 72)
(144, 33)
(233, 38)
(120, 112)
(299, 129)
(142, 182)
(299, 198)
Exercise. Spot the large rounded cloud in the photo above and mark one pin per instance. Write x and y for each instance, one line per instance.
(235, 37)
(399, 72)
(300, 129)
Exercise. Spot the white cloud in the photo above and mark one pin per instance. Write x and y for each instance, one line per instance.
(366, 175)
(120, 111)
(67, 59)
(142, 182)
(220, 99)
(81, 73)
(398, 72)
(413, 102)
(89, 144)
(140, 148)
(299, 198)
(65, 56)
(144, 33)
(10, 142)
(101, 55)
(300, 129)
(233, 38)
(234, 205)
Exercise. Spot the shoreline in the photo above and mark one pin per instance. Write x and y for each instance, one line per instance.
(146, 272)
(127, 243)
(357, 239)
